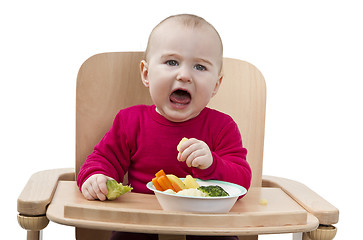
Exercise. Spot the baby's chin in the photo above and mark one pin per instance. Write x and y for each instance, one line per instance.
(177, 116)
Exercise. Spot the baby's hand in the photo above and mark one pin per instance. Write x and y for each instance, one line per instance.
(95, 187)
(195, 153)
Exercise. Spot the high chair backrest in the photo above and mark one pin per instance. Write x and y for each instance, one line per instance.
(108, 82)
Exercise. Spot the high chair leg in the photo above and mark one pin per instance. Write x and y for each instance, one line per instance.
(323, 232)
(34, 235)
(34, 225)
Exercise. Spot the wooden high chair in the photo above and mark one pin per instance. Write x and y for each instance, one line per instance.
(108, 82)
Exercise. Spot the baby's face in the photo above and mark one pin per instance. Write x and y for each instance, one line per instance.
(183, 70)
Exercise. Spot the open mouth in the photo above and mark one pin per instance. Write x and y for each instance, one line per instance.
(181, 97)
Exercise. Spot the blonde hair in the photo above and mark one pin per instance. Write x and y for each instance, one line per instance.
(188, 20)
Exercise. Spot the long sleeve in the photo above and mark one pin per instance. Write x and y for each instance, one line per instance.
(229, 157)
(111, 156)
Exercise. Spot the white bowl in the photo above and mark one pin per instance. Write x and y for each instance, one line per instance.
(173, 202)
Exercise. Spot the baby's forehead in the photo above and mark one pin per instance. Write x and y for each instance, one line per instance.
(174, 25)
(183, 26)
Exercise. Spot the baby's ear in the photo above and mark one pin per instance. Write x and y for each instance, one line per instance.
(218, 84)
(144, 71)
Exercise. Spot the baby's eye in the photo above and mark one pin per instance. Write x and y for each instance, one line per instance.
(200, 67)
(172, 63)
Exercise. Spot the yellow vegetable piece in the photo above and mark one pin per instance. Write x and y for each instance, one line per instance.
(263, 202)
(181, 142)
(175, 180)
(190, 182)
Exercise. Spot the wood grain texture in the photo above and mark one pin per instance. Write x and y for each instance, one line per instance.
(142, 213)
(242, 95)
(310, 200)
(39, 190)
(106, 83)
(33, 223)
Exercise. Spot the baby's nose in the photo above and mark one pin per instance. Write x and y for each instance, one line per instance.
(184, 74)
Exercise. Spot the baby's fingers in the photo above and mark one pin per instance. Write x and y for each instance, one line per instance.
(191, 159)
(101, 182)
(87, 195)
(88, 191)
(96, 191)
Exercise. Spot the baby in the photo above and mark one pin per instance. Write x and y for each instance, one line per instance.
(183, 71)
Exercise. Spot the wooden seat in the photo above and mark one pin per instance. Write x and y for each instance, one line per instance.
(108, 82)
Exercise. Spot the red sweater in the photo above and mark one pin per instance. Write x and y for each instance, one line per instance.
(142, 142)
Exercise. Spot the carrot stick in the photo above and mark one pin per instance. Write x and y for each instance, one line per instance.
(156, 184)
(165, 183)
(176, 187)
(160, 173)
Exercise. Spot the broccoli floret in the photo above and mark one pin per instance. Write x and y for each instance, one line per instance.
(213, 191)
(115, 189)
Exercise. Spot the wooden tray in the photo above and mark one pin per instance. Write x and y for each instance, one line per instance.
(142, 213)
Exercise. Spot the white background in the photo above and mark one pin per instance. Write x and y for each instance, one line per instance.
(310, 53)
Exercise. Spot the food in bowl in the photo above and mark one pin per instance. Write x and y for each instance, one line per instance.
(203, 191)
(213, 191)
(192, 192)
(170, 201)
(188, 187)
(163, 182)
(190, 182)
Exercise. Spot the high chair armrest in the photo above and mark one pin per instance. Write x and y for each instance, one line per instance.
(308, 199)
(39, 190)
